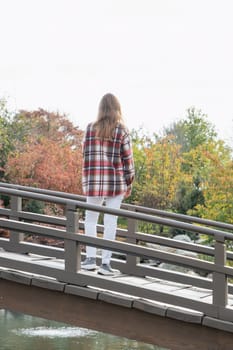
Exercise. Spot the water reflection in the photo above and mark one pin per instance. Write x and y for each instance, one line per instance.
(24, 332)
(53, 332)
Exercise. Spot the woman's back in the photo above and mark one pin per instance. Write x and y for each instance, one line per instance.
(108, 163)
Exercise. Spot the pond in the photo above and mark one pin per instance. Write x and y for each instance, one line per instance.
(24, 332)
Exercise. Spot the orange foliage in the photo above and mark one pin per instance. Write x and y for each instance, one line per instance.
(50, 156)
(48, 165)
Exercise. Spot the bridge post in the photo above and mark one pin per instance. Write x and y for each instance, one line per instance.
(16, 206)
(220, 287)
(131, 261)
(72, 250)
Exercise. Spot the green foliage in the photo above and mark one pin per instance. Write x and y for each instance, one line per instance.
(192, 131)
(6, 141)
(5, 200)
(154, 229)
(188, 171)
(216, 173)
(34, 206)
(188, 197)
(157, 171)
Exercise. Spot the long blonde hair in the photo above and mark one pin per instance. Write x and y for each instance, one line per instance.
(109, 115)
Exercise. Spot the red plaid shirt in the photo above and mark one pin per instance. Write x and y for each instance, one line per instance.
(108, 165)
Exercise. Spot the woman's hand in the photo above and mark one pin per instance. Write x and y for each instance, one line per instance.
(128, 192)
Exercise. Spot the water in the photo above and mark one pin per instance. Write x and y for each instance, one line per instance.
(23, 332)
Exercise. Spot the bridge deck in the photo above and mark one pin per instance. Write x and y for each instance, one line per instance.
(122, 299)
(150, 283)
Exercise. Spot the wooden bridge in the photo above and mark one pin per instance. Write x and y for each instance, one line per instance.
(167, 292)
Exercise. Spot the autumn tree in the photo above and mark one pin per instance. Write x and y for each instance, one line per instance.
(35, 125)
(47, 165)
(215, 167)
(140, 141)
(157, 163)
(163, 171)
(48, 152)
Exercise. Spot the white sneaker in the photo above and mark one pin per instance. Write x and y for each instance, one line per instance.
(106, 270)
(89, 264)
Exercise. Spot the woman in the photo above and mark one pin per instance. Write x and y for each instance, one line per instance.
(108, 174)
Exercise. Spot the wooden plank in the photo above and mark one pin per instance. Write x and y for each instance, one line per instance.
(48, 284)
(16, 276)
(218, 324)
(150, 306)
(168, 287)
(193, 293)
(116, 299)
(184, 314)
(81, 291)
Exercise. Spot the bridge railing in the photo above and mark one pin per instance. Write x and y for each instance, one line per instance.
(133, 247)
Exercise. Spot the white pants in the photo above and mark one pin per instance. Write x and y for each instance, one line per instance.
(110, 224)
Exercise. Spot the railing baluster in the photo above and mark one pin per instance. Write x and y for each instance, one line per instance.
(131, 261)
(15, 237)
(220, 288)
(72, 249)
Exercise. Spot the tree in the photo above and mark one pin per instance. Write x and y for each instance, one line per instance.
(32, 126)
(157, 171)
(48, 152)
(140, 142)
(192, 131)
(47, 164)
(216, 171)
(6, 141)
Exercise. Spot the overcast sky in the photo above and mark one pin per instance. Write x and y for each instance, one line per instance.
(159, 57)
